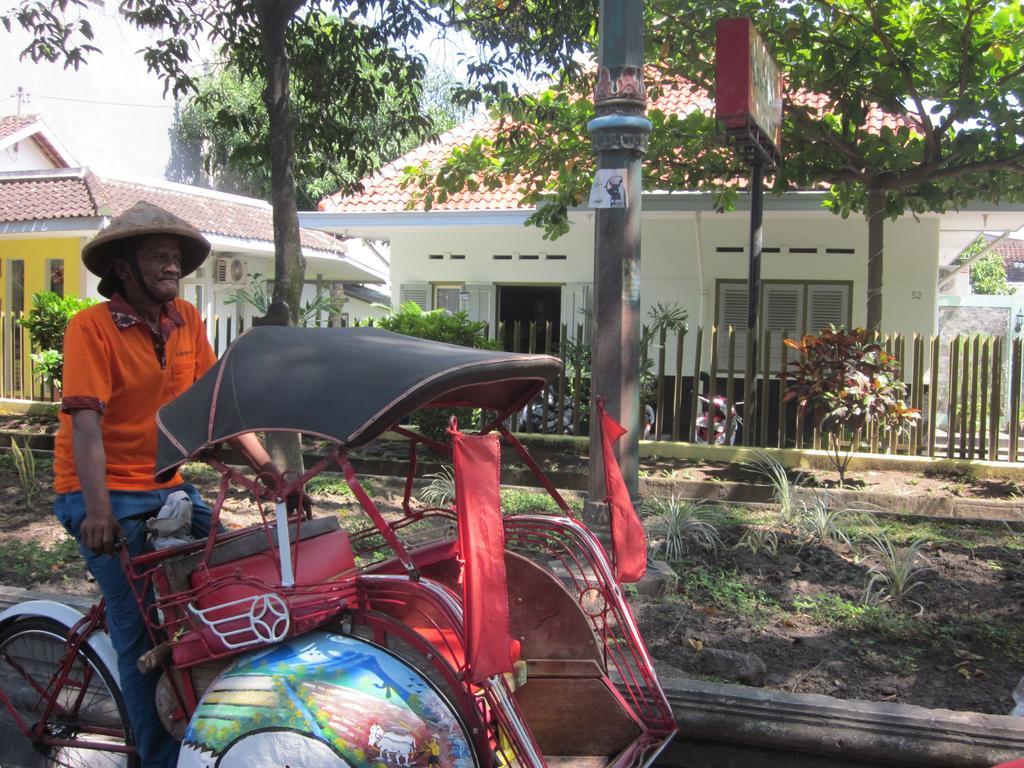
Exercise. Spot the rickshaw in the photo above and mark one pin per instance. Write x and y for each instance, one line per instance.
(434, 636)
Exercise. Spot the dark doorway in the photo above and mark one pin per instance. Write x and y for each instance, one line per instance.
(525, 304)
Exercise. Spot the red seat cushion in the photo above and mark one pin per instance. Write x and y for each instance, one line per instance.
(319, 559)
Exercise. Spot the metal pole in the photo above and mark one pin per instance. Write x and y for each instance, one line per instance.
(619, 133)
(753, 296)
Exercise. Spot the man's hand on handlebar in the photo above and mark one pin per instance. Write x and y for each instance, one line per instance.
(298, 501)
(295, 501)
(100, 532)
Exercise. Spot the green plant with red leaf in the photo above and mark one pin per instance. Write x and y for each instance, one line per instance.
(847, 383)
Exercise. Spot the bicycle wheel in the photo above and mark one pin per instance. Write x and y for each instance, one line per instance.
(89, 713)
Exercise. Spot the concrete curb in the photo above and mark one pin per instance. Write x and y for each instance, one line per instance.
(837, 730)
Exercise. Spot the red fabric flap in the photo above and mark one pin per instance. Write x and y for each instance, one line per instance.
(477, 460)
(629, 543)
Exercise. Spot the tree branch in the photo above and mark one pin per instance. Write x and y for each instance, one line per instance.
(810, 125)
(932, 173)
(933, 149)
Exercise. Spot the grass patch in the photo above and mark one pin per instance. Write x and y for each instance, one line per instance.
(834, 611)
(741, 517)
(904, 663)
(28, 562)
(726, 590)
(888, 624)
(198, 472)
(905, 531)
(1007, 635)
(515, 501)
(332, 484)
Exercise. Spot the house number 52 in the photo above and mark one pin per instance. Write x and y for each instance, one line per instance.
(916, 295)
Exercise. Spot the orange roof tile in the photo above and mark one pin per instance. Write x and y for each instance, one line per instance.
(1012, 252)
(11, 124)
(80, 193)
(383, 192)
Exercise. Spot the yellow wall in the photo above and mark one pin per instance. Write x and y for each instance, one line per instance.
(15, 375)
(35, 252)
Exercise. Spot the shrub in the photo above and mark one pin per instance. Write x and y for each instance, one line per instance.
(895, 574)
(46, 323)
(676, 522)
(25, 464)
(772, 470)
(256, 296)
(760, 541)
(665, 319)
(819, 522)
(439, 325)
(576, 356)
(847, 383)
(440, 491)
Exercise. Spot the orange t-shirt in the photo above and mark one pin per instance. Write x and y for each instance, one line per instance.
(116, 364)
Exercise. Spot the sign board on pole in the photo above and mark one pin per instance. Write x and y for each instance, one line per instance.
(609, 189)
(748, 97)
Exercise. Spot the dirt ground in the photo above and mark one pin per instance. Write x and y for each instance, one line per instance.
(896, 483)
(960, 645)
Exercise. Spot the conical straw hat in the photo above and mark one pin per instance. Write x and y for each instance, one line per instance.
(138, 221)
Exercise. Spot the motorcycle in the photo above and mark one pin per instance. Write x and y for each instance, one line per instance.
(542, 414)
(713, 422)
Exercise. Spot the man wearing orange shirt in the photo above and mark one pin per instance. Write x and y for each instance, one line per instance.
(123, 360)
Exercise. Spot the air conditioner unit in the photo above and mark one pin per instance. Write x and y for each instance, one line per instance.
(229, 271)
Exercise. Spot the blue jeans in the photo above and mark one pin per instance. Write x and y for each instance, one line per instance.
(128, 634)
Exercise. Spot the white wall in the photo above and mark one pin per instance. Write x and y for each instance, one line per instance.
(111, 113)
(23, 156)
(910, 289)
(411, 251)
(909, 273)
(674, 271)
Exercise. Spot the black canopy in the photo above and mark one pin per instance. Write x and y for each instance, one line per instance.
(347, 385)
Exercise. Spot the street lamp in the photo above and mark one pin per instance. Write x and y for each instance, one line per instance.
(619, 132)
(1018, 323)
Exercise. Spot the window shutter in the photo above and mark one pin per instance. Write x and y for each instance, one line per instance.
(446, 297)
(416, 292)
(783, 312)
(732, 310)
(481, 305)
(827, 304)
(576, 309)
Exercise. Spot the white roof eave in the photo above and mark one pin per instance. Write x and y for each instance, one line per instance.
(265, 248)
(82, 226)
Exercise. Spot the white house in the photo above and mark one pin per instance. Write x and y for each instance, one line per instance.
(472, 252)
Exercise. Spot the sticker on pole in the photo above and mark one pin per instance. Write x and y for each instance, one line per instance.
(609, 190)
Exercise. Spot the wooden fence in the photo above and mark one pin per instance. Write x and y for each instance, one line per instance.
(968, 389)
(19, 379)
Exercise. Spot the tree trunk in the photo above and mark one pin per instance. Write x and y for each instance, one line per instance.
(289, 266)
(876, 232)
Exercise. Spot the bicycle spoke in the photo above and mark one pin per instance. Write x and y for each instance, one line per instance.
(76, 718)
